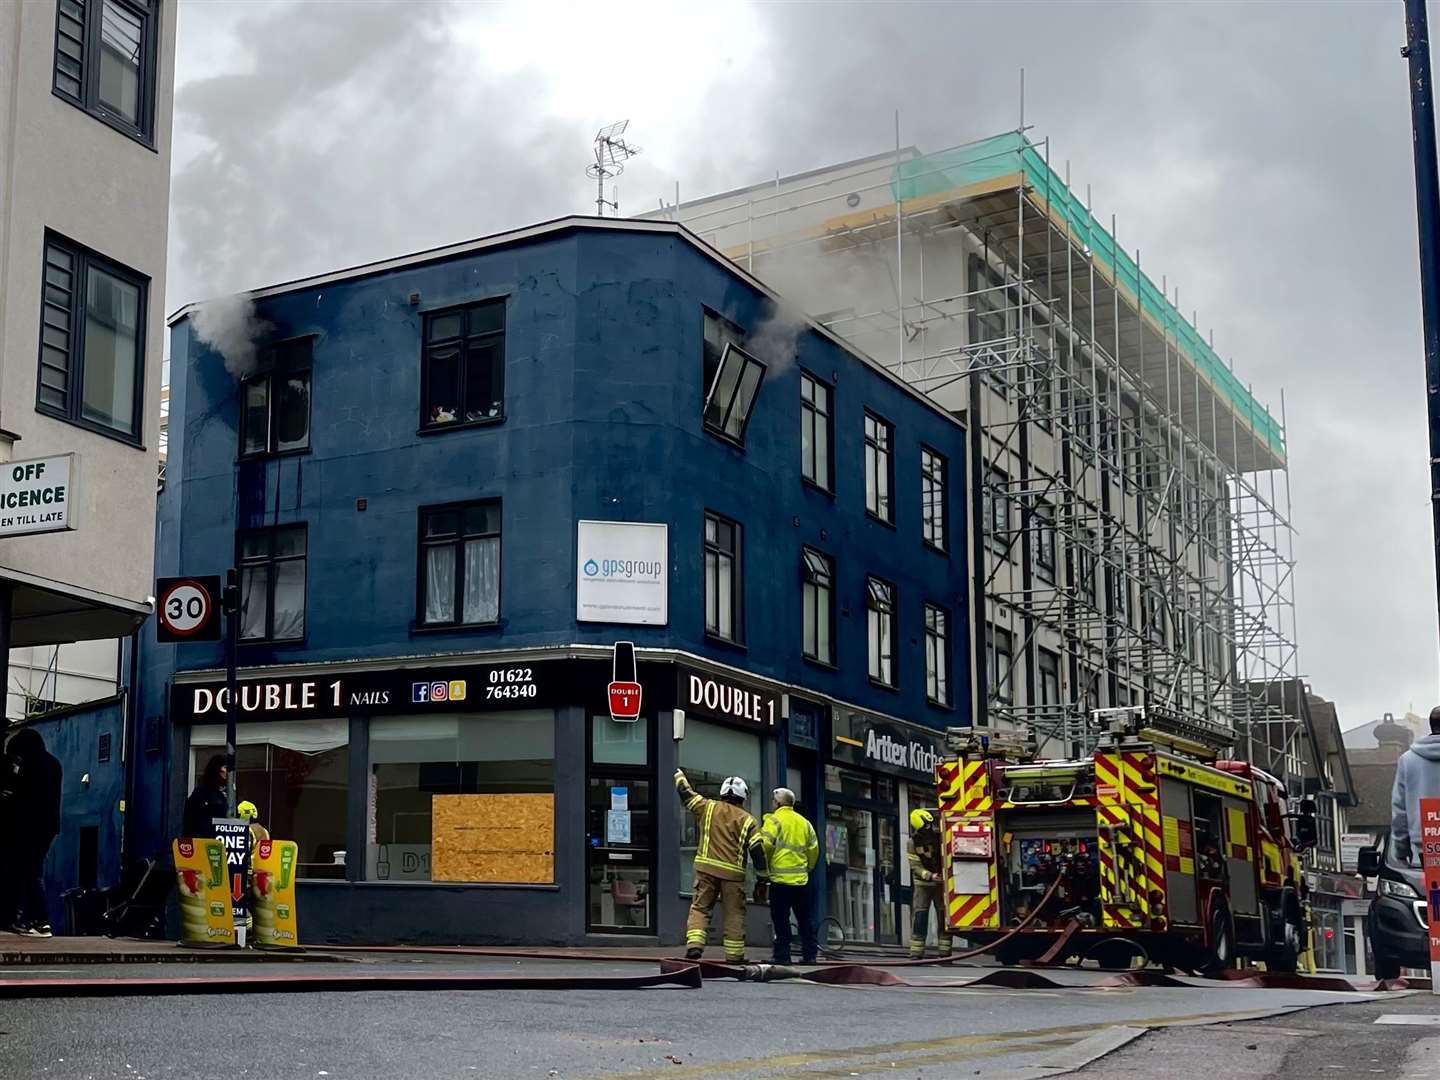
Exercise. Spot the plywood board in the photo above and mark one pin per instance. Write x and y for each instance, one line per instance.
(498, 839)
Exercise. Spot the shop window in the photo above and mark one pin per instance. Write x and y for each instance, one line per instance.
(851, 782)
(879, 468)
(819, 603)
(724, 588)
(460, 564)
(464, 798)
(275, 416)
(297, 773)
(462, 370)
(616, 742)
(708, 754)
(932, 498)
(272, 584)
(937, 654)
(880, 625)
(815, 431)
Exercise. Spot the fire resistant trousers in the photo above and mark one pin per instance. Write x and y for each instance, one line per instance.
(731, 895)
(928, 894)
(783, 900)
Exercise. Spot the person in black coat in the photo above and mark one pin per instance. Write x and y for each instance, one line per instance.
(209, 800)
(32, 790)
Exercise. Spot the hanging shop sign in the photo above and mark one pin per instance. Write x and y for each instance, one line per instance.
(725, 698)
(36, 496)
(535, 684)
(622, 573)
(886, 745)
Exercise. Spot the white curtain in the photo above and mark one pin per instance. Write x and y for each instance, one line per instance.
(302, 736)
(482, 580)
(440, 584)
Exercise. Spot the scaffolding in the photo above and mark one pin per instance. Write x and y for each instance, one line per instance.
(1133, 523)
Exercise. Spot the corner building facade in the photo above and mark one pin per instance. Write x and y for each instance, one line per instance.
(452, 482)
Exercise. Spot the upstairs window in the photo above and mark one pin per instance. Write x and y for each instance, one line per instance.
(879, 474)
(932, 498)
(937, 655)
(105, 61)
(460, 564)
(999, 663)
(1048, 664)
(1043, 551)
(723, 587)
(880, 622)
(462, 377)
(992, 323)
(996, 499)
(818, 595)
(92, 341)
(272, 584)
(275, 418)
(815, 431)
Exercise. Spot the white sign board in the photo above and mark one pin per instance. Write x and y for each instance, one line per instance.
(1350, 845)
(622, 573)
(36, 495)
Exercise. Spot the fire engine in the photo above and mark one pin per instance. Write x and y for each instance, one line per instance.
(1154, 845)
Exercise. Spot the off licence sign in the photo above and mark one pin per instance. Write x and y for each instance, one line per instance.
(36, 495)
(1430, 860)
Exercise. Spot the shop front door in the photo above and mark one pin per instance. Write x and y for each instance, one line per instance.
(619, 856)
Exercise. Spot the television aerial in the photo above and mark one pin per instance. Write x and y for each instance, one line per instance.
(611, 153)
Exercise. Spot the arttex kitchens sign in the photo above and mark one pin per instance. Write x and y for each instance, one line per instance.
(886, 746)
(36, 495)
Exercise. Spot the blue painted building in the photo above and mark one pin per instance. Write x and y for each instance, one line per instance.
(451, 482)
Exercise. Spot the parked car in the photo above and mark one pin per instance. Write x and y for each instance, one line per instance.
(1399, 924)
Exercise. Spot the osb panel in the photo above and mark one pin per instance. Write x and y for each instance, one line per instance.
(502, 839)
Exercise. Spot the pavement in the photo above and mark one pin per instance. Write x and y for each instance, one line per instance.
(22, 949)
(725, 1030)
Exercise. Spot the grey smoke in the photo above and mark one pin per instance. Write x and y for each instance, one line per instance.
(230, 327)
(776, 339)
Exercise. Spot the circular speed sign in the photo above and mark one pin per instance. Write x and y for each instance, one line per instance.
(185, 608)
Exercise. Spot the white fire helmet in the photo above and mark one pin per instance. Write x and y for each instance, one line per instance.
(733, 785)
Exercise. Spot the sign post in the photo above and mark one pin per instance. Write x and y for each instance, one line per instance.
(231, 604)
(1430, 863)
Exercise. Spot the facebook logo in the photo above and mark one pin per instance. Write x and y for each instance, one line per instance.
(419, 692)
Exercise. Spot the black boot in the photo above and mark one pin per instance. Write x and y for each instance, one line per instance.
(694, 954)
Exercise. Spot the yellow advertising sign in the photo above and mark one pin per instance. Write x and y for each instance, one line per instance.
(272, 894)
(203, 882)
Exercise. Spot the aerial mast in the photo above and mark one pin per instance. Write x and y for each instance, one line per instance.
(611, 153)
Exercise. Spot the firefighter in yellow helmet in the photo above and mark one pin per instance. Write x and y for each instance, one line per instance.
(927, 881)
(248, 812)
(727, 834)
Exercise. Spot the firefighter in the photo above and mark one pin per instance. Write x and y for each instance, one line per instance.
(727, 834)
(247, 811)
(791, 852)
(927, 879)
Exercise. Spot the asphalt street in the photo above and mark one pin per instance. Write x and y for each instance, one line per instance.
(725, 1030)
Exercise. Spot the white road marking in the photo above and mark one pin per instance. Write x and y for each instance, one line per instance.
(1410, 1019)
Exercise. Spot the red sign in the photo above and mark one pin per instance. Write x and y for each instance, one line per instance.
(1430, 861)
(625, 700)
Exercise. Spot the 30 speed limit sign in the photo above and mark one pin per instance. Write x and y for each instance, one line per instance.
(188, 608)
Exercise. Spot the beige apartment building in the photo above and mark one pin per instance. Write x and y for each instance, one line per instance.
(1130, 501)
(86, 98)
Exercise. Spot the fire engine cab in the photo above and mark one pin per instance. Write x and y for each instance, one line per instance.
(1154, 845)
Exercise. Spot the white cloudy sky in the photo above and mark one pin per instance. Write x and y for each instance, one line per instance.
(1259, 155)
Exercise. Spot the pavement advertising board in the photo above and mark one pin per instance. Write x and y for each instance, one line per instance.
(1430, 859)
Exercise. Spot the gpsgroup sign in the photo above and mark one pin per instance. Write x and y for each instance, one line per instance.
(622, 573)
(35, 495)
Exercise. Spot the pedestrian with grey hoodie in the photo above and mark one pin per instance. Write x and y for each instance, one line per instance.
(1417, 776)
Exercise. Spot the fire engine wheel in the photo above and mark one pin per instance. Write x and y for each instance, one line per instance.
(1219, 955)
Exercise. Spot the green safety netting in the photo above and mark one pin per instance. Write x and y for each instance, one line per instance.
(1012, 153)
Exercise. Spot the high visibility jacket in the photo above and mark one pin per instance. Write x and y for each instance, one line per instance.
(727, 834)
(924, 856)
(791, 848)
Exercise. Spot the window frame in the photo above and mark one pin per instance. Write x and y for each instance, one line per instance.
(993, 652)
(458, 542)
(241, 562)
(88, 99)
(937, 655)
(1043, 555)
(812, 414)
(985, 282)
(995, 493)
(82, 260)
(874, 449)
(1047, 663)
(881, 615)
(747, 361)
(429, 426)
(934, 481)
(737, 576)
(271, 369)
(809, 580)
